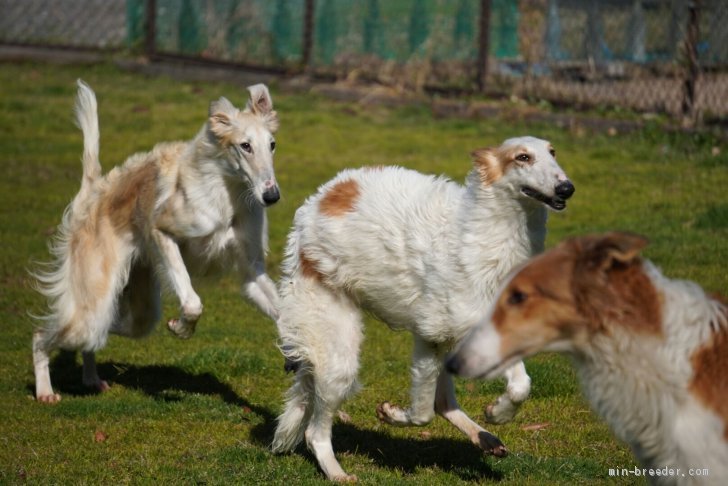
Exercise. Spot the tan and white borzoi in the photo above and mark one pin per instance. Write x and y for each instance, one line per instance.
(184, 203)
(423, 254)
(651, 353)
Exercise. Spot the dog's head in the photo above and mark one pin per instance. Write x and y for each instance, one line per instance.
(560, 300)
(527, 166)
(246, 141)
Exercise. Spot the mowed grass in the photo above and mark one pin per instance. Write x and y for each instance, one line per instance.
(203, 410)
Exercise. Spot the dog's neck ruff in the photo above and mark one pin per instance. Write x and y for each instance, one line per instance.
(496, 232)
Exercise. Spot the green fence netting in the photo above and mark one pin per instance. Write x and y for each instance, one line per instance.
(268, 32)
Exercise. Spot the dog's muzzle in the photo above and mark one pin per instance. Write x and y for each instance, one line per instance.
(562, 192)
(271, 196)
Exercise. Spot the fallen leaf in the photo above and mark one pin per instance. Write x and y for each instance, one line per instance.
(100, 436)
(536, 426)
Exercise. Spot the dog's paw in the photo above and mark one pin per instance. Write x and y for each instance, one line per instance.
(392, 414)
(501, 411)
(491, 444)
(345, 478)
(98, 384)
(52, 398)
(180, 328)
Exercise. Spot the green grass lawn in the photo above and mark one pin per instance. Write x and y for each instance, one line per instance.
(203, 410)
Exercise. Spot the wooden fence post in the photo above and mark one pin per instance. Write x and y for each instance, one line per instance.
(308, 26)
(150, 28)
(692, 69)
(483, 44)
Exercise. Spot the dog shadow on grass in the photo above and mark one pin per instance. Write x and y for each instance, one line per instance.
(406, 455)
(161, 382)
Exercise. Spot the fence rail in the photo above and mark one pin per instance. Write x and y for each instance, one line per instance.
(668, 56)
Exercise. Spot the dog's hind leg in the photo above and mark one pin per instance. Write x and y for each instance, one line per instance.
(447, 406)
(321, 330)
(518, 388)
(426, 366)
(140, 306)
(41, 359)
(90, 374)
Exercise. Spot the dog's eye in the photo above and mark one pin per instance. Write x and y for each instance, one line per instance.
(272, 146)
(523, 157)
(517, 297)
(246, 146)
(552, 152)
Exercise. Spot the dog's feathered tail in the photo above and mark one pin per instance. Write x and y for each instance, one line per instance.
(54, 279)
(87, 120)
(293, 421)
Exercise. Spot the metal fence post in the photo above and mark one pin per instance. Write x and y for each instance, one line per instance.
(483, 44)
(692, 70)
(150, 28)
(308, 26)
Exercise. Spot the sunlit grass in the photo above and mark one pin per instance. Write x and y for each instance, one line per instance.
(203, 410)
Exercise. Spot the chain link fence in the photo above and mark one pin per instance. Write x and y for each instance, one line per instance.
(666, 56)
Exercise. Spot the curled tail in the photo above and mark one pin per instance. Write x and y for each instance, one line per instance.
(87, 120)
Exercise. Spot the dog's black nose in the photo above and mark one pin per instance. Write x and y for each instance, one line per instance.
(452, 365)
(271, 196)
(565, 189)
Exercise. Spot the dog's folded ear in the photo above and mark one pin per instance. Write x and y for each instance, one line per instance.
(222, 106)
(222, 113)
(261, 104)
(604, 252)
(486, 162)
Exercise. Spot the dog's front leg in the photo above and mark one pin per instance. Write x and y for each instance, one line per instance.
(257, 286)
(518, 387)
(173, 269)
(426, 366)
(447, 406)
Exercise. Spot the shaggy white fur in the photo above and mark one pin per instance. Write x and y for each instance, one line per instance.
(182, 204)
(422, 253)
(651, 353)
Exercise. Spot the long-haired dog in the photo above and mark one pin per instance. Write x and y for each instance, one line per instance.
(421, 253)
(125, 233)
(651, 353)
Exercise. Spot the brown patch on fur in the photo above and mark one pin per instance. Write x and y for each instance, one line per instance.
(308, 267)
(710, 375)
(492, 162)
(340, 199)
(135, 191)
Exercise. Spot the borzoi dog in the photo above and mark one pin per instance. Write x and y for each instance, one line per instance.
(423, 254)
(651, 353)
(183, 203)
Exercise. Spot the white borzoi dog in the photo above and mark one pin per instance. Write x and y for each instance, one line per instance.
(651, 353)
(422, 253)
(184, 203)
